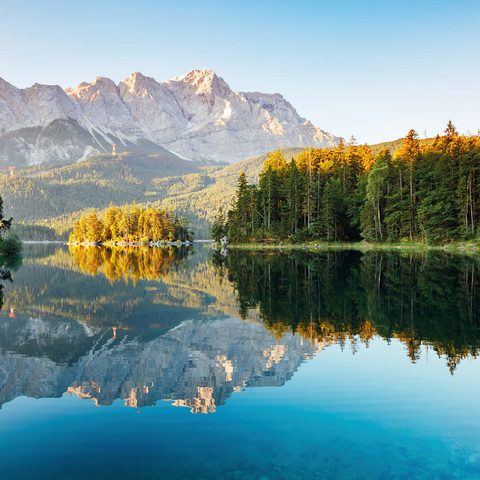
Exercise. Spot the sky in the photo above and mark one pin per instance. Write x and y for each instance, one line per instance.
(371, 69)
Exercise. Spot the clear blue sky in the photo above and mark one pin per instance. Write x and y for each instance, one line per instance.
(373, 69)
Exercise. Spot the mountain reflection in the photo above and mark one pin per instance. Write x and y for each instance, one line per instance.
(192, 327)
(197, 364)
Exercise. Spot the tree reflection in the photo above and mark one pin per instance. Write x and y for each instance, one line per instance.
(426, 299)
(135, 263)
(7, 265)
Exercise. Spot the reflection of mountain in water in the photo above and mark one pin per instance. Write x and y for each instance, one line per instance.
(197, 364)
(176, 339)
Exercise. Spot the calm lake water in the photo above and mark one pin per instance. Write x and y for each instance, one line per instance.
(184, 364)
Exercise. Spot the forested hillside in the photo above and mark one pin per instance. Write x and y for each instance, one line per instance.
(426, 192)
(332, 184)
(55, 198)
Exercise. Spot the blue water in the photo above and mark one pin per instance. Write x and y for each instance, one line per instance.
(307, 413)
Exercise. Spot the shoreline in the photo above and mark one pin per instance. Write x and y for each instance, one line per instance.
(132, 244)
(457, 247)
(110, 244)
(43, 241)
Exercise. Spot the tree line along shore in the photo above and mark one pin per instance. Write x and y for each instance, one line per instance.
(427, 193)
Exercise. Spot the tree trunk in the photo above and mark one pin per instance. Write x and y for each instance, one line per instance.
(411, 199)
(470, 179)
(379, 218)
(269, 201)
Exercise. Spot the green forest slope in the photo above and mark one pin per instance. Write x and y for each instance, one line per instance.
(56, 197)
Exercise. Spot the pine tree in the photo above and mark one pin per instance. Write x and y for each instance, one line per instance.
(134, 217)
(109, 225)
(409, 153)
(242, 209)
(376, 189)
(332, 208)
(5, 223)
(293, 196)
(82, 230)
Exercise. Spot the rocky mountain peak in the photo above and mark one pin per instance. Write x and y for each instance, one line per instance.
(39, 89)
(49, 102)
(8, 92)
(137, 77)
(90, 91)
(137, 83)
(4, 85)
(196, 116)
(204, 82)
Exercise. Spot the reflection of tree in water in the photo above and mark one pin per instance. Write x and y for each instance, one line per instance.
(421, 299)
(7, 265)
(134, 263)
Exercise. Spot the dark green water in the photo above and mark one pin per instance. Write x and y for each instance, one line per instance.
(147, 364)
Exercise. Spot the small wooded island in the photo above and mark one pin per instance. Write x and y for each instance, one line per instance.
(427, 193)
(131, 225)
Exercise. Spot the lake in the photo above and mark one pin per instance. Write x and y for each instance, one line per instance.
(182, 363)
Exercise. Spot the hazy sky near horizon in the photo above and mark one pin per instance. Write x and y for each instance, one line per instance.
(372, 69)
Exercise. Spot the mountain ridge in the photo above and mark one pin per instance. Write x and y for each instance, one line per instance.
(196, 116)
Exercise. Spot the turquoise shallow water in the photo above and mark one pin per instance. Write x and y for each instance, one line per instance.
(201, 393)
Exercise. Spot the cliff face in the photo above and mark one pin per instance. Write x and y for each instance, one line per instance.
(196, 116)
(197, 364)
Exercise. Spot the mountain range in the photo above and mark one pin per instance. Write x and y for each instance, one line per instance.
(195, 117)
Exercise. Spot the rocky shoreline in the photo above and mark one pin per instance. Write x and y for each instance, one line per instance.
(178, 243)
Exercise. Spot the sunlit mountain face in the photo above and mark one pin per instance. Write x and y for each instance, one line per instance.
(196, 117)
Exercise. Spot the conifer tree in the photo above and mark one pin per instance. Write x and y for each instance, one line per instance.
(332, 207)
(218, 227)
(374, 208)
(409, 153)
(82, 229)
(293, 195)
(242, 208)
(5, 223)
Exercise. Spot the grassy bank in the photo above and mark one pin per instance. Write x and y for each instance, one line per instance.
(455, 247)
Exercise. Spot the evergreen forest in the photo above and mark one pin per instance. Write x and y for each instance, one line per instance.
(425, 192)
